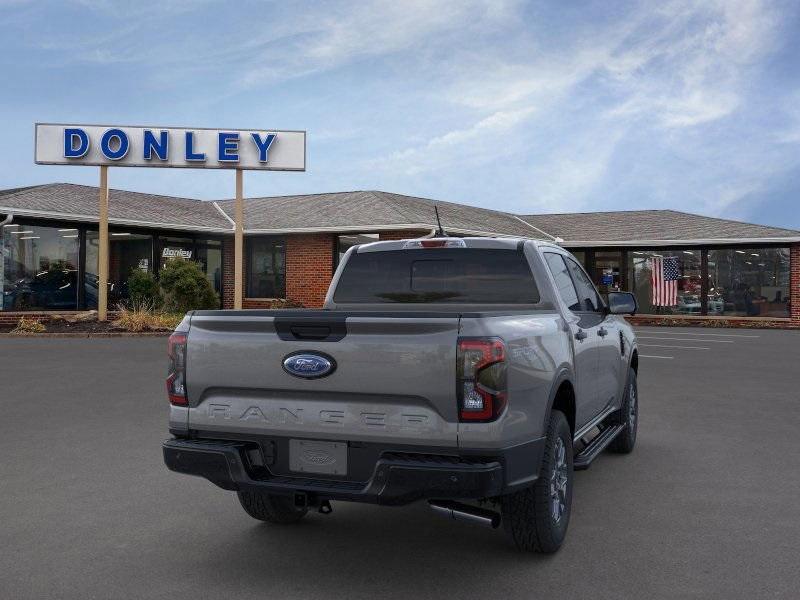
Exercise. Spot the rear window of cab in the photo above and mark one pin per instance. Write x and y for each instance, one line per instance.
(437, 275)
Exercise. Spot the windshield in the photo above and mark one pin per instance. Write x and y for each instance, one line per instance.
(438, 275)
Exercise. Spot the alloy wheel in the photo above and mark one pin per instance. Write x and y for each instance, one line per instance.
(559, 479)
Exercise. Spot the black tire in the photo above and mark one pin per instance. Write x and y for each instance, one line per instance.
(271, 508)
(528, 515)
(629, 416)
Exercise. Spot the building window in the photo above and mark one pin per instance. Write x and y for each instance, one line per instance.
(666, 281)
(266, 267)
(128, 252)
(176, 247)
(608, 269)
(345, 242)
(580, 256)
(748, 282)
(39, 268)
(209, 255)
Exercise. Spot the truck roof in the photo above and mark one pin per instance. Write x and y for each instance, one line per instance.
(509, 243)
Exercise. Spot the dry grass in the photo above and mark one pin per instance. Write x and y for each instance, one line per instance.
(26, 325)
(142, 317)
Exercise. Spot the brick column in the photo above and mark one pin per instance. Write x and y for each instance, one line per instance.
(227, 272)
(794, 283)
(309, 267)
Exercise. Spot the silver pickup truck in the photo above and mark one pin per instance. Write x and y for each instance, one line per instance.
(475, 374)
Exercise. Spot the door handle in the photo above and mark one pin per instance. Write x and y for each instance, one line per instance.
(602, 332)
(581, 335)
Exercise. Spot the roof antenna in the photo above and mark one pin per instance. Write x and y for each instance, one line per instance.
(440, 232)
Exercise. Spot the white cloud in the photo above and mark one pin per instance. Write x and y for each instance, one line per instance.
(525, 105)
(472, 145)
(347, 32)
(676, 68)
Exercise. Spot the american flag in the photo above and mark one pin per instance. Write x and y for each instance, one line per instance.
(664, 277)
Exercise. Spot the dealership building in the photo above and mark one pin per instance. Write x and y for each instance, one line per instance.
(726, 270)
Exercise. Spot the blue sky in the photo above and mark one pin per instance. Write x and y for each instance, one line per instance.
(522, 106)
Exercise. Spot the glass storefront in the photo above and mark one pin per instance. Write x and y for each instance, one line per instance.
(209, 255)
(608, 269)
(128, 251)
(54, 267)
(749, 282)
(176, 247)
(667, 282)
(580, 255)
(266, 267)
(40, 267)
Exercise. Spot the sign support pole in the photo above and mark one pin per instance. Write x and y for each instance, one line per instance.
(238, 255)
(102, 256)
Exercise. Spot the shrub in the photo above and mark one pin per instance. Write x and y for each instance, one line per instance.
(143, 288)
(143, 317)
(184, 287)
(26, 325)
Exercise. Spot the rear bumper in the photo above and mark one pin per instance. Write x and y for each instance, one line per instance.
(398, 478)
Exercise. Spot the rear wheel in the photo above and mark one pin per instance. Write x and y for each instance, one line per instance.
(628, 416)
(537, 517)
(270, 507)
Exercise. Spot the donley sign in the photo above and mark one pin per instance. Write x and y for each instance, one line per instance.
(120, 146)
(178, 147)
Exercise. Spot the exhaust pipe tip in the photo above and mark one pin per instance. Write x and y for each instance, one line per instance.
(458, 511)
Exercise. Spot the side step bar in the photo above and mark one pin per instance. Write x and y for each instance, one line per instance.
(585, 457)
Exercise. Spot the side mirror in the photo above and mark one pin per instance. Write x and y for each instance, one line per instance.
(622, 303)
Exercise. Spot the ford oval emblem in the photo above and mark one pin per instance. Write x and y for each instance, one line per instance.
(309, 365)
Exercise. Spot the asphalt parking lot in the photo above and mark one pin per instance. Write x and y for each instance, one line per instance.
(708, 505)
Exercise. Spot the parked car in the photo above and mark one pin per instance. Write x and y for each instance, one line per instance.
(51, 288)
(475, 374)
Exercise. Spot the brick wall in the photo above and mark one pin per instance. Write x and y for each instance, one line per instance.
(13, 317)
(794, 283)
(309, 267)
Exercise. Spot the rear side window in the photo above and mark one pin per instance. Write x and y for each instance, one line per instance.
(563, 280)
(574, 287)
(438, 275)
(587, 295)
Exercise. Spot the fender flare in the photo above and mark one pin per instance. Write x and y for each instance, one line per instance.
(634, 351)
(563, 373)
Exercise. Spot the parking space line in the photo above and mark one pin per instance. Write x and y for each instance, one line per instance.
(651, 356)
(672, 339)
(679, 347)
(735, 335)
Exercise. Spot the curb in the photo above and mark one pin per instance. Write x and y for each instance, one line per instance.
(120, 334)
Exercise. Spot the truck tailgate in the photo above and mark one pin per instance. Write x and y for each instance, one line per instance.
(394, 377)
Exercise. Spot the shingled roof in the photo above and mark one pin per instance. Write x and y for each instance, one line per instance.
(370, 211)
(636, 227)
(373, 210)
(72, 202)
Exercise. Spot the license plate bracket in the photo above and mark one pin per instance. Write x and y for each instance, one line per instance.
(318, 457)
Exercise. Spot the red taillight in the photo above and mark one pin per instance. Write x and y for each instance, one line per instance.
(176, 377)
(481, 383)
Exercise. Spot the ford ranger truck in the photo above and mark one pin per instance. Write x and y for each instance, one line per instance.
(475, 374)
